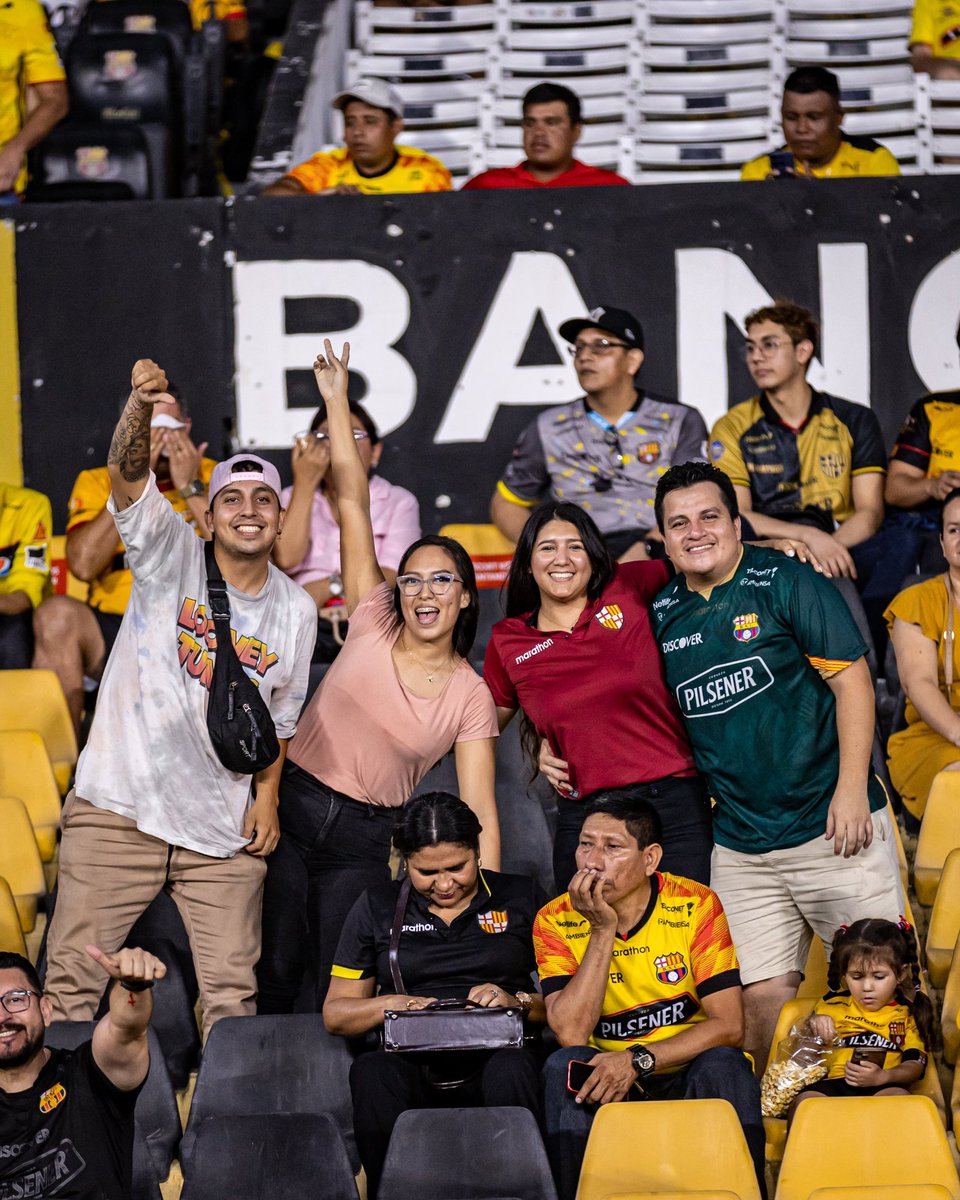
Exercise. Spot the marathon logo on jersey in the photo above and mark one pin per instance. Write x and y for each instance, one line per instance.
(648, 452)
(635, 1023)
(670, 968)
(681, 643)
(723, 687)
(492, 921)
(833, 465)
(746, 627)
(537, 649)
(611, 616)
(52, 1097)
(119, 65)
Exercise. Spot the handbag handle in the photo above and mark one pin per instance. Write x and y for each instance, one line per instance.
(395, 930)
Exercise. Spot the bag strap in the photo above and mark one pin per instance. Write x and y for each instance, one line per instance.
(217, 594)
(395, 930)
(948, 636)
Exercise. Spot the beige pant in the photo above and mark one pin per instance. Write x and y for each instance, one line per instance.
(110, 872)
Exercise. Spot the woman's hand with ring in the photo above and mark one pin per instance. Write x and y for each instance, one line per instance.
(490, 996)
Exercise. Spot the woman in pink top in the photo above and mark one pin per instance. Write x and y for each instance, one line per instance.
(399, 696)
(309, 550)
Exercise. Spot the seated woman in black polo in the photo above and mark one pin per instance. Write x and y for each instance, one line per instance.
(466, 934)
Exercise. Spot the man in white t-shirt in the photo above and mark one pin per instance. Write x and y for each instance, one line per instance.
(153, 807)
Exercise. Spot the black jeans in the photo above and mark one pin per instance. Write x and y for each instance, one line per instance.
(385, 1085)
(683, 806)
(16, 641)
(331, 849)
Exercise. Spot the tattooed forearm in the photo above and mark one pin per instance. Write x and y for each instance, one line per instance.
(130, 448)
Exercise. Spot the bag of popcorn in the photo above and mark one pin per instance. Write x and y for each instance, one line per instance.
(800, 1060)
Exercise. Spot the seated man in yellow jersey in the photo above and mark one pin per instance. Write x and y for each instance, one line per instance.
(29, 65)
(24, 570)
(75, 639)
(935, 39)
(640, 980)
(816, 146)
(371, 164)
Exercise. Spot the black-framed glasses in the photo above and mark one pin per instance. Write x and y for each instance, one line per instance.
(308, 435)
(440, 582)
(599, 347)
(18, 1001)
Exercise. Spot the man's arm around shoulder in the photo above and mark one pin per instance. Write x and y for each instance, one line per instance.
(120, 1046)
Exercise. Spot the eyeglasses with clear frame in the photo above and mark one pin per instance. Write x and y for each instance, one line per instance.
(598, 348)
(767, 347)
(440, 583)
(18, 1000)
(308, 436)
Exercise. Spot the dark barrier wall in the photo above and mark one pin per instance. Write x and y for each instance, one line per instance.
(451, 305)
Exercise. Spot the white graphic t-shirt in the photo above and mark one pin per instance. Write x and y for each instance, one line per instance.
(149, 756)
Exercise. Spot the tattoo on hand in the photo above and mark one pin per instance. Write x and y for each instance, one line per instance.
(130, 448)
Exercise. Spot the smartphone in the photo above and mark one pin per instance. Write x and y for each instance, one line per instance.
(877, 1057)
(577, 1074)
(782, 161)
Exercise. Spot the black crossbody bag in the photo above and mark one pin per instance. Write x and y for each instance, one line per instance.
(241, 729)
(444, 1024)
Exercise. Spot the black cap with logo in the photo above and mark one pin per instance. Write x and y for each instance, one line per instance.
(617, 321)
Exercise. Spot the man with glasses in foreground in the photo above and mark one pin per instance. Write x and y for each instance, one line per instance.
(606, 450)
(66, 1116)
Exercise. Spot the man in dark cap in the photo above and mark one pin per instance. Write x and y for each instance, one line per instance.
(606, 450)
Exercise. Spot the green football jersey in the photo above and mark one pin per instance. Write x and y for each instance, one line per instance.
(745, 667)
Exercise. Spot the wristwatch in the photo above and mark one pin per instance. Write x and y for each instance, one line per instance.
(335, 585)
(197, 488)
(643, 1061)
(525, 1000)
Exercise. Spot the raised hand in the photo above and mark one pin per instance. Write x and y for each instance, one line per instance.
(331, 372)
(148, 381)
(130, 965)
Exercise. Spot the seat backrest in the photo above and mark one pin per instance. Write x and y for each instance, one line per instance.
(34, 699)
(170, 18)
(25, 772)
(717, 1160)
(466, 1152)
(272, 1064)
(283, 1156)
(91, 157)
(20, 861)
(872, 1149)
(126, 78)
(157, 1116)
(11, 933)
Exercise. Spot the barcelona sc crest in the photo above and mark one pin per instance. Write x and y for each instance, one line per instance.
(52, 1097)
(746, 627)
(611, 616)
(492, 922)
(898, 1032)
(670, 968)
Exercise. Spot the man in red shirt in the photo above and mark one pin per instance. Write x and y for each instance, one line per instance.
(551, 128)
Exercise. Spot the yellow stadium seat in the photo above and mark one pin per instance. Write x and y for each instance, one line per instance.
(11, 934)
(25, 772)
(479, 539)
(65, 583)
(662, 1159)
(815, 972)
(20, 861)
(950, 1013)
(35, 700)
(863, 1142)
(913, 1191)
(939, 834)
(944, 925)
(955, 1102)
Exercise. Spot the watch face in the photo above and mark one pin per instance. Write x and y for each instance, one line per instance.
(643, 1060)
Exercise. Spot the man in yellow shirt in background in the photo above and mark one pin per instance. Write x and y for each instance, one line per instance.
(935, 38)
(816, 146)
(371, 163)
(33, 92)
(24, 570)
(75, 639)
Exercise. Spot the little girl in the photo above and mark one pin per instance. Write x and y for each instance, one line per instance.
(879, 1020)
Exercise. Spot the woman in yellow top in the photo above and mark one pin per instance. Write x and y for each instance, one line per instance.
(920, 624)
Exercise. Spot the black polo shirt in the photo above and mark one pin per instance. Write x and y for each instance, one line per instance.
(491, 941)
(70, 1135)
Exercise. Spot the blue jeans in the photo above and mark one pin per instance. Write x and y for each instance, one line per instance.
(331, 849)
(683, 806)
(721, 1073)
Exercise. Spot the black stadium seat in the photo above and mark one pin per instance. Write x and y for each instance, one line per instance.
(284, 1156)
(170, 18)
(467, 1153)
(91, 162)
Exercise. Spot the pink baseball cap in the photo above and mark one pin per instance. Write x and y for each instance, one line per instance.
(242, 467)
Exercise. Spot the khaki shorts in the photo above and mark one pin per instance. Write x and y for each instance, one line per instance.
(775, 901)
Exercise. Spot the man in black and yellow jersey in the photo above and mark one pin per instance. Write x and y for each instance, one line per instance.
(640, 980)
(75, 639)
(24, 570)
(768, 669)
(33, 90)
(935, 38)
(812, 122)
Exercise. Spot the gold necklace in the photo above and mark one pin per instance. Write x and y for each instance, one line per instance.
(429, 673)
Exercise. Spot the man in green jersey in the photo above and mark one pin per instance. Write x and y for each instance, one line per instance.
(768, 668)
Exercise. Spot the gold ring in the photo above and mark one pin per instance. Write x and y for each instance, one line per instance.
(411, 1003)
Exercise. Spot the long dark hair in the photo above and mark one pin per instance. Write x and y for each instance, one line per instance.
(465, 630)
(521, 592)
(873, 940)
(433, 818)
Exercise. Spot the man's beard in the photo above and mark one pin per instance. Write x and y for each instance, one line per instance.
(9, 1062)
